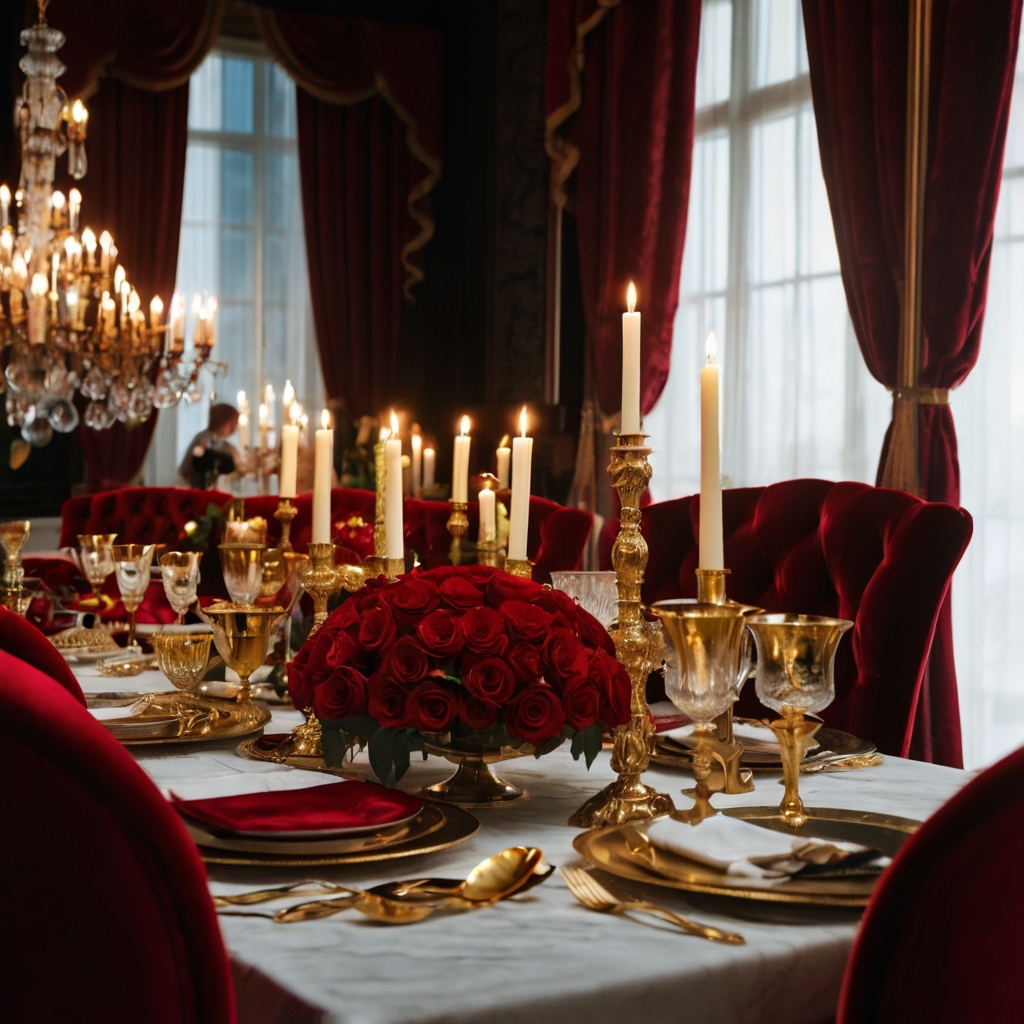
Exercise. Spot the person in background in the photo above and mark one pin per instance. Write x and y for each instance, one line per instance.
(211, 454)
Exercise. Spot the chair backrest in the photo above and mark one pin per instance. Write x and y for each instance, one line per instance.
(941, 938)
(345, 501)
(138, 515)
(880, 557)
(106, 912)
(22, 640)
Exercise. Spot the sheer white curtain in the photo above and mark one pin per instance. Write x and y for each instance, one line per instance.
(988, 591)
(761, 269)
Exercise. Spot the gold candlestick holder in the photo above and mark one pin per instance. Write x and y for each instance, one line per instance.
(638, 645)
(394, 567)
(285, 513)
(458, 525)
(711, 590)
(321, 581)
(521, 567)
(380, 537)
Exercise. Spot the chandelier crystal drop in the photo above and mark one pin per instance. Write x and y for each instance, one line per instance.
(70, 320)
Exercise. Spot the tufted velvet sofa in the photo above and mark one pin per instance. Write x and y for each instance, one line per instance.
(940, 939)
(110, 918)
(880, 557)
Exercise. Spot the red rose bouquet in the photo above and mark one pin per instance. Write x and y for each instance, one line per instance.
(467, 656)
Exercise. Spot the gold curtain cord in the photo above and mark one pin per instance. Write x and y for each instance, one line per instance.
(923, 396)
(563, 154)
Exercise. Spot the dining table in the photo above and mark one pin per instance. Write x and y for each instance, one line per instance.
(540, 957)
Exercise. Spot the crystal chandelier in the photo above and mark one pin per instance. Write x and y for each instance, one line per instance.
(69, 318)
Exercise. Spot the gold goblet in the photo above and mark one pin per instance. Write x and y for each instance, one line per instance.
(708, 639)
(183, 657)
(242, 565)
(180, 572)
(13, 535)
(131, 567)
(96, 553)
(795, 658)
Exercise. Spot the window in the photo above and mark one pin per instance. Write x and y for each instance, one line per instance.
(242, 240)
(761, 269)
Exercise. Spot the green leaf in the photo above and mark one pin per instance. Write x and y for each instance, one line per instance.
(592, 740)
(359, 725)
(578, 740)
(335, 745)
(548, 745)
(453, 679)
(382, 754)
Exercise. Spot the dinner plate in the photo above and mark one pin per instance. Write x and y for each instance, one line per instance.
(624, 851)
(437, 827)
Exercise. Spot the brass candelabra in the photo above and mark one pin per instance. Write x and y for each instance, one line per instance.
(458, 525)
(521, 567)
(285, 513)
(638, 645)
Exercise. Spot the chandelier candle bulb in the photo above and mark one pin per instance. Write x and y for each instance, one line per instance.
(5, 206)
(323, 466)
(488, 518)
(37, 310)
(504, 458)
(74, 208)
(393, 526)
(460, 463)
(105, 242)
(711, 554)
(89, 241)
(289, 460)
(630, 416)
(429, 461)
(417, 459)
(519, 520)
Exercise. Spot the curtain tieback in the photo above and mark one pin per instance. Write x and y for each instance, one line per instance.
(923, 396)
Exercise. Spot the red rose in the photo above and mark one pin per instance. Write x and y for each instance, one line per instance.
(475, 712)
(388, 703)
(582, 704)
(376, 629)
(524, 660)
(440, 633)
(592, 633)
(432, 708)
(298, 686)
(406, 662)
(504, 587)
(484, 630)
(526, 621)
(343, 651)
(490, 679)
(535, 715)
(411, 598)
(612, 682)
(345, 615)
(564, 658)
(461, 594)
(341, 695)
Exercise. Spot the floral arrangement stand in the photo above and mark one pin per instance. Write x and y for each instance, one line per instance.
(464, 661)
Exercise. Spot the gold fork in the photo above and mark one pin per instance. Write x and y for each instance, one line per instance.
(591, 893)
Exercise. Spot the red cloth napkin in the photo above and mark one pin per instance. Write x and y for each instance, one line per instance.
(340, 805)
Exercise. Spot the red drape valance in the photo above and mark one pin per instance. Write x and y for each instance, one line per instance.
(621, 79)
(370, 149)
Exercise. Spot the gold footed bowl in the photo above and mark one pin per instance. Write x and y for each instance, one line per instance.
(474, 784)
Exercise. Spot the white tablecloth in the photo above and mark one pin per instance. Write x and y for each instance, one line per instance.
(542, 957)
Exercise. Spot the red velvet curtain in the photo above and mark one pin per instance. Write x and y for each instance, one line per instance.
(858, 66)
(369, 127)
(132, 61)
(620, 112)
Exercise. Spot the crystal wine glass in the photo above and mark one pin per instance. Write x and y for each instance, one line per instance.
(242, 565)
(183, 657)
(594, 592)
(131, 567)
(96, 552)
(795, 658)
(180, 571)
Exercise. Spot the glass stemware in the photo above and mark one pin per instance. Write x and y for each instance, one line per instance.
(709, 643)
(242, 565)
(131, 567)
(183, 657)
(180, 572)
(594, 592)
(13, 535)
(96, 552)
(795, 659)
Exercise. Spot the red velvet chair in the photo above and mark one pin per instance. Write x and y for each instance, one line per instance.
(107, 916)
(882, 558)
(22, 640)
(941, 938)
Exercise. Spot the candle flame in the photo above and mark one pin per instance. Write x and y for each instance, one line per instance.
(711, 346)
(242, 400)
(75, 197)
(631, 297)
(465, 426)
(5, 195)
(39, 285)
(394, 424)
(58, 200)
(156, 308)
(385, 433)
(325, 418)
(288, 394)
(522, 422)
(295, 412)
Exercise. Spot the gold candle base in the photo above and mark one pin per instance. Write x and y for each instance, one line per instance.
(284, 514)
(374, 567)
(380, 542)
(638, 645)
(458, 525)
(320, 580)
(521, 567)
(394, 567)
(795, 734)
(711, 585)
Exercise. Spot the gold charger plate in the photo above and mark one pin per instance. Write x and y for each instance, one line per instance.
(833, 745)
(443, 826)
(622, 851)
(179, 718)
